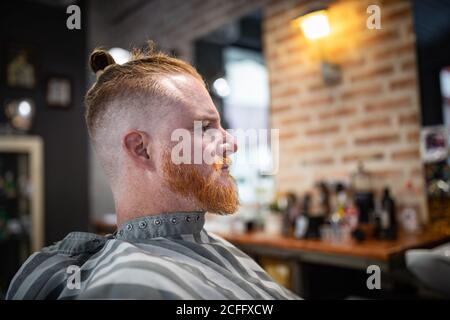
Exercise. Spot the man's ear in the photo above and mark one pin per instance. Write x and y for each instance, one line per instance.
(137, 145)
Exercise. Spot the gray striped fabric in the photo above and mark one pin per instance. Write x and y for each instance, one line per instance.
(168, 256)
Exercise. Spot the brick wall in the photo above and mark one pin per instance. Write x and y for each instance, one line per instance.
(372, 115)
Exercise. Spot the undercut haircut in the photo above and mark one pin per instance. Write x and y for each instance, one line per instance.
(127, 92)
(137, 79)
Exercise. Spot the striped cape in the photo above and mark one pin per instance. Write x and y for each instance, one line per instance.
(168, 256)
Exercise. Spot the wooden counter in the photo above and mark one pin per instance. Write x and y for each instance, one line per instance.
(300, 255)
(382, 250)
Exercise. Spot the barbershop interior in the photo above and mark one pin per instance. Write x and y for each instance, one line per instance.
(346, 192)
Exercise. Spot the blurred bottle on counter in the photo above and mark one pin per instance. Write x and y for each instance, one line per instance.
(363, 194)
(302, 220)
(324, 198)
(409, 215)
(274, 223)
(290, 213)
(343, 219)
(339, 203)
(318, 210)
(385, 217)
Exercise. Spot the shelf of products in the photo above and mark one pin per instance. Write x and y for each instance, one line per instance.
(21, 202)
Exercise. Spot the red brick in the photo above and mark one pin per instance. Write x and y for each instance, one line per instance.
(406, 119)
(287, 135)
(352, 62)
(298, 119)
(373, 73)
(274, 82)
(405, 83)
(412, 154)
(364, 91)
(317, 86)
(370, 123)
(307, 148)
(323, 130)
(288, 92)
(377, 139)
(320, 161)
(288, 37)
(389, 104)
(399, 13)
(296, 48)
(341, 112)
(323, 161)
(395, 51)
(339, 143)
(286, 65)
(409, 65)
(355, 157)
(410, 29)
(316, 101)
(413, 136)
(378, 36)
(386, 173)
(280, 108)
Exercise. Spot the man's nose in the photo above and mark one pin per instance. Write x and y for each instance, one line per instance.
(229, 145)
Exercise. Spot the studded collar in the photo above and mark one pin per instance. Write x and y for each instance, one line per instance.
(161, 225)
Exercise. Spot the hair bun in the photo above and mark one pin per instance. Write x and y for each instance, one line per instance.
(99, 60)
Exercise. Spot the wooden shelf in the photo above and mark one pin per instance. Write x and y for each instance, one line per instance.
(371, 249)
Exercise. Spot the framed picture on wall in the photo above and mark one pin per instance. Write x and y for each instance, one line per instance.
(21, 67)
(434, 143)
(59, 92)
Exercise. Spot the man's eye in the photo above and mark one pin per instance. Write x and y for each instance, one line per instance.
(204, 128)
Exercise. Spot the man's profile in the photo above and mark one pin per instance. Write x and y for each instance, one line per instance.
(160, 249)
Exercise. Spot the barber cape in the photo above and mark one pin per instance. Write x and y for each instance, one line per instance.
(168, 256)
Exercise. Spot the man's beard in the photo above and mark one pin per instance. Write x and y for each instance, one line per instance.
(208, 190)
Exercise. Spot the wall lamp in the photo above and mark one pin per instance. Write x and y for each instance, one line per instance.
(315, 26)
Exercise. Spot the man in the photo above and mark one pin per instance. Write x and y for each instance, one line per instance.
(161, 189)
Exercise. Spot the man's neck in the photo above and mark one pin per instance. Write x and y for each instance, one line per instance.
(132, 206)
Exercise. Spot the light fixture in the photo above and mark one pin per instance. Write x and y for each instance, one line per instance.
(315, 26)
(20, 114)
(221, 87)
(24, 108)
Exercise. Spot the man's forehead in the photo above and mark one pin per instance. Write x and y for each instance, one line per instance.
(193, 98)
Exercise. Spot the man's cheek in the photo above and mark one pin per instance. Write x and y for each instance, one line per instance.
(209, 154)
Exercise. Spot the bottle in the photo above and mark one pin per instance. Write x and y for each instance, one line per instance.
(378, 214)
(409, 215)
(388, 216)
(324, 195)
(363, 195)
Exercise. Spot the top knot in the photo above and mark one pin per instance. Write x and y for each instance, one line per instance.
(99, 60)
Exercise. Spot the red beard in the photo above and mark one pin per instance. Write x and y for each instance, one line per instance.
(214, 191)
